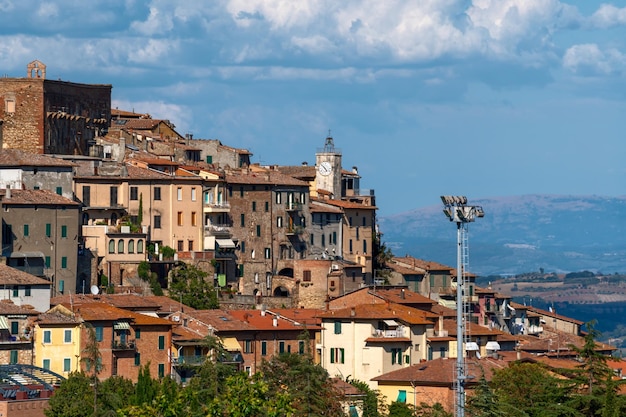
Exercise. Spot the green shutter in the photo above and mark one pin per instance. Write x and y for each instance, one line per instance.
(48, 230)
(26, 230)
(64, 262)
(63, 231)
(13, 357)
(137, 359)
(161, 342)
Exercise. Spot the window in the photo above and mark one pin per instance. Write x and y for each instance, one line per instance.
(416, 347)
(10, 105)
(131, 246)
(64, 262)
(242, 246)
(301, 347)
(337, 355)
(334, 238)
(279, 221)
(242, 219)
(67, 336)
(15, 327)
(323, 240)
(240, 191)
(13, 359)
(48, 230)
(157, 221)
(161, 342)
(99, 333)
(27, 291)
(67, 364)
(140, 246)
(26, 230)
(190, 246)
(61, 286)
(363, 224)
(248, 346)
(133, 193)
(138, 333)
(194, 219)
(357, 233)
(193, 194)
(179, 218)
(113, 196)
(120, 246)
(157, 193)
(60, 190)
(258, 230)
(209, 159)
(47, 336)
(278, 198)
(16, 291)
(137, 359)
(337, 327)
(161, 370)
(306, 275)
(180, 244)
(263, 348)
(86, 195)
(268, 253)
(350, 244)
(7, 232)
(179, 193)
(364, 246)
(281, 347)
(254, 206)
(48, 262)
(396, 356)
(401, 396)
(46, 364)
(64, 231)
(267, 206)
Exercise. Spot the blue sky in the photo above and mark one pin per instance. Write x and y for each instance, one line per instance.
(483, 98)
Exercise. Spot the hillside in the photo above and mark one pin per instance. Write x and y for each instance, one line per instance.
(521, 233)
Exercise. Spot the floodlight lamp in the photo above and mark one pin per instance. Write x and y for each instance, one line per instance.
(479, 211)
(448, 212)
(446, 199)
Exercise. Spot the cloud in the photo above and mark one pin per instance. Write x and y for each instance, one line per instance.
(608, 16)
(589, 59)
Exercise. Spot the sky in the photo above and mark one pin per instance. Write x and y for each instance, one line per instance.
(483, 98)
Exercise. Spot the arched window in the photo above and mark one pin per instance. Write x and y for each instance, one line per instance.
(111, 246)
(120, 246)
(140, 246)
(131, 246)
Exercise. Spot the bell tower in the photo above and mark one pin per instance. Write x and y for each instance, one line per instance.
(328, 168)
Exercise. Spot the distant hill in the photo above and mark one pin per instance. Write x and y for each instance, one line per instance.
(519, 234)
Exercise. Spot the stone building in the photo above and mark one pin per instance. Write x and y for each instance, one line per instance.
(49, 116)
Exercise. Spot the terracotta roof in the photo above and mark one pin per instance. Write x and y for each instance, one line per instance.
(7, 307)
(12, 276)
(14, 158)
(264, 177)
(442, 372)
(220, 320)
(554, 315)
(56, 317)
(98, 311)
(39, 197)
(299, 171)
(125, 113)
(404, 270)
(420, 263)
(267, 321)
(380, 312)
(140, 124)
(472, 328)
(347, 389)
(349, 205)
(320, 207)
(403, 296)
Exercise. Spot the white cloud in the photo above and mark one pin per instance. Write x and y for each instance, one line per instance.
(589, 59)
(157, 22)
(608, 16)
(153, 51)
(48, 10)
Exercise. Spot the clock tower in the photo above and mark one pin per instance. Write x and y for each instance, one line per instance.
(328, 168)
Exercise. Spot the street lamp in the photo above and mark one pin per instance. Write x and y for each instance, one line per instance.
(457, 210)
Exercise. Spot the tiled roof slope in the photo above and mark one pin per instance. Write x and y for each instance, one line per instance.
(14, 157)
(39, 197)
(12, 276)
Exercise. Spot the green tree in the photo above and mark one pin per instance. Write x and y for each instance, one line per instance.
(73, 398)
(115, 393)
(309, 384)
(373, 399)
(93, 362)
(189, 285)
(381, 256)
(435, 410)
(398, 409)
(146, 388)
(484, 402)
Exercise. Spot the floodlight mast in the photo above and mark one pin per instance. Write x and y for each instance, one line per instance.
(457, 210)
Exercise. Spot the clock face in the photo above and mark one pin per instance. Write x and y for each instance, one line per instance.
(325, 168)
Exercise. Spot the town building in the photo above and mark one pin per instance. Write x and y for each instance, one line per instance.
(41, 236)
(49, 116)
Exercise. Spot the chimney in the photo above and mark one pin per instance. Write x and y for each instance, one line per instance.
(402, 293)
(352, 312)
(440, 323)
(7, 195)
(275, 322)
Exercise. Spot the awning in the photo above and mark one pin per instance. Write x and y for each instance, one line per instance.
(493, 346)
(231, 344)
(391, 323)
(4, 323)
(353, 411)
(121, 325)
(401, 396)
(225, 243)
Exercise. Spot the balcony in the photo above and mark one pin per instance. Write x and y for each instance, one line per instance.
(294, 230)
(123, 345)
(189, 360)
(533, 329)
(216, 207)
(389, 333)
(218, 230)
(293, 206)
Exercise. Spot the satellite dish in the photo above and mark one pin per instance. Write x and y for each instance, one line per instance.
(94, 289)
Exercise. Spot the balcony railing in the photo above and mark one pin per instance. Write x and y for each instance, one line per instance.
(217, 228)
(388, 333)
(194, 360)
(119, 345)
(293, 206)
(294, 230)
(533, 329)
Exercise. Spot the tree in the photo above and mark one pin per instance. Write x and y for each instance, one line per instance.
(435, 410)
(146, 387)
(309, 384)
(73, 398)
(398, 409)
(373, 398)
(189, 286)
(93, 361)
(115, 393)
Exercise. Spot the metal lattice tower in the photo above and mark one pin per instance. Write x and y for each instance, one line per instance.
(457, 210)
